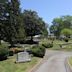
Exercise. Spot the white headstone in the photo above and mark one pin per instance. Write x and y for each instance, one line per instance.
(23, 57)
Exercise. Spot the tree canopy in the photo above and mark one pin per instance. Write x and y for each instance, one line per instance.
(33, 24)
(60, 23)
(66, 32)
(15, 25)
(10, 21)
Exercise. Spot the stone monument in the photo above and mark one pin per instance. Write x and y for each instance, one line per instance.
(23, 57)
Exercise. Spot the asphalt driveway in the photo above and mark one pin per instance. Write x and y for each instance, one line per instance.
(54, 61)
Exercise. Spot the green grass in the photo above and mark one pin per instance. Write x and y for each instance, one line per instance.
(70, 60)
(56, 45)
(45, 41)
(9, 65)
(66, 48)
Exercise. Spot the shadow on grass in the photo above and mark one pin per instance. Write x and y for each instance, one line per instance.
(28, 42)
(3, 58)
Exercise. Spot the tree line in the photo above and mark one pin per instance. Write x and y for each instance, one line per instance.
(17, 26)
(62, 26)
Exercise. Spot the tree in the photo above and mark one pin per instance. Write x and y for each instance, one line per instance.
(21, 35)
(14, 24)
(43, 27)
(33, 24)
(10, 21)
(56, 27)
(18, 20)
(3, 19)
(60, 23)
(66, 32)
(3, 1)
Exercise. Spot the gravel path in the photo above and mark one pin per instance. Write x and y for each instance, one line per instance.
(54, 61)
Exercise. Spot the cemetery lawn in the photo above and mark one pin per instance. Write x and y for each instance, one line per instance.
(70, 60)
(9, 65)
(57, 47)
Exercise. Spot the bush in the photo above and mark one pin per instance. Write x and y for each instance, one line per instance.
(3, 52)
(11, 53)
(47, 45)
(66, 39)
(38, 51)
(16, 50)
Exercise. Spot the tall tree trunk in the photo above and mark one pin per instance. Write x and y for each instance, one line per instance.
(0, 42)
(31, 38)
(11, 43)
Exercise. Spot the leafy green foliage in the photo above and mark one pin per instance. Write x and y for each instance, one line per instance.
(3, 52)
(11, 22)
(3, 1)
(59, 24)
(33, 24)
(38, 51)
(15, 26)
(47, 45)
(66, 32)
(66, 39)
(11, 53)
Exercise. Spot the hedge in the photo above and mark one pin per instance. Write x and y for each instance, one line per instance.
(47, 45)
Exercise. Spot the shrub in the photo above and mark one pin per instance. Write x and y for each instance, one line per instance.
(66, 39)
(11, 53)
(47, 45)
(3, 52)
(66, 32)
(38, 51)
(16, 50)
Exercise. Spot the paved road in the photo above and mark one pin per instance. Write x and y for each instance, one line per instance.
(54, 61)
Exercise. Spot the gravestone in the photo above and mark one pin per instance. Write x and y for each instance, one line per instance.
(23, 57)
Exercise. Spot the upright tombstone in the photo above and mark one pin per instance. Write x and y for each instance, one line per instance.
(23, 57)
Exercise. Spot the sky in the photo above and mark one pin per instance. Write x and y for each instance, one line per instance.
(48, 9)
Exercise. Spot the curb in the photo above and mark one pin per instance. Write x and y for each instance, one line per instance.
(43, 60)
(36, 66)
(68, 65)
(40, 63)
